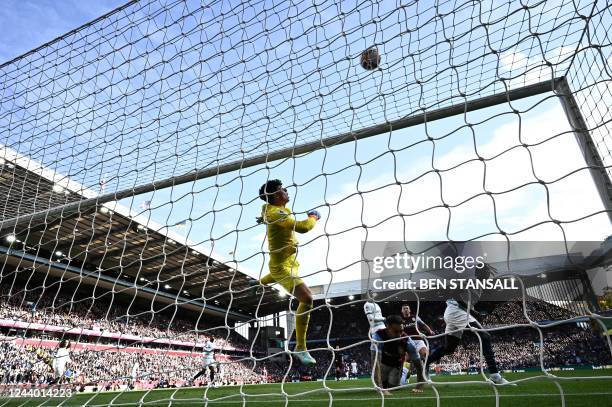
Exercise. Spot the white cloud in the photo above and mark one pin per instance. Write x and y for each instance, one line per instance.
(522, 69)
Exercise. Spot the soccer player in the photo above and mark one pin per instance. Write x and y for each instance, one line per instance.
(339, 362)
(413, 326)
(354, 370)
(458, 317)
(281, 228)
(135, 373)
(392, 347)
(61, 358)
(376, 321)
(209, 361)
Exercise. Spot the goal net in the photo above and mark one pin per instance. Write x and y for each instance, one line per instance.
(133, 152)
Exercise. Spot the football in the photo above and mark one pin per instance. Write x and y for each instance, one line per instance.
(370, 58)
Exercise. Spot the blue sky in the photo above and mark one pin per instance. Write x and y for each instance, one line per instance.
(212, 96)
(26, 24)
(171, 79)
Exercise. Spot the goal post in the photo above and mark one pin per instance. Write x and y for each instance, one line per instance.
(599, 171)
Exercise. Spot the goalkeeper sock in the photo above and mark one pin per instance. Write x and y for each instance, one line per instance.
(267, 279)
(301, 325)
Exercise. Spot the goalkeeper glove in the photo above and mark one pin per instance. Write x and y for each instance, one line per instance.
(314, 213)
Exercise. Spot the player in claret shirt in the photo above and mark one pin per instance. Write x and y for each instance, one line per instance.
(413, 328)
(393, 346)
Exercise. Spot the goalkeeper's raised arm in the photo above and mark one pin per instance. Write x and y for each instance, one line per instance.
(281, 227)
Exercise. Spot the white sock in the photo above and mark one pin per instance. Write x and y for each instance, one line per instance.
(495, 376)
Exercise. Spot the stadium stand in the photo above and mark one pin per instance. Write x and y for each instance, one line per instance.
(113, 248)
(131, 290)
(105, 363)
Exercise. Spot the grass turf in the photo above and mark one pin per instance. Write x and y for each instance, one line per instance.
(579, 388)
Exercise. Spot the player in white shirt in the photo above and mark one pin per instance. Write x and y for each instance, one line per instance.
(375, 316)
(209, 361)
(135, 373)
(209, 352)
(458, 318)
(265, 375)
(377, 322)
(354, 371)
(60, 360)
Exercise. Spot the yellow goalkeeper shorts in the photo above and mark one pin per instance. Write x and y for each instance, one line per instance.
(285, 272)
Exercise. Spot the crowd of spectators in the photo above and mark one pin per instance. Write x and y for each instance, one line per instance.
(509, 313)
(335, 348)
(17, 365)
(514, 313)
(515, 348)
(111, 369)
(58, 310)
(522, 348)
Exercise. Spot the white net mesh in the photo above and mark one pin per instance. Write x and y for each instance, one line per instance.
(134, 147)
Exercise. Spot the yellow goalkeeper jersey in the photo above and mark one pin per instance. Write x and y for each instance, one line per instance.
(281, 227)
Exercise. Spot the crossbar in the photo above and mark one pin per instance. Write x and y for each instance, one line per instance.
(408, 121)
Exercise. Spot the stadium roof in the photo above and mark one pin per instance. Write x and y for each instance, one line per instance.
(112, 247)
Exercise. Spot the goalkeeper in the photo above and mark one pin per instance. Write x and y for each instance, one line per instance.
(281, 228)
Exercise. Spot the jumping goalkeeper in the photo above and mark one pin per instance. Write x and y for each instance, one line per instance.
(283, 264)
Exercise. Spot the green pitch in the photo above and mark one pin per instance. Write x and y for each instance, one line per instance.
(593, 389)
